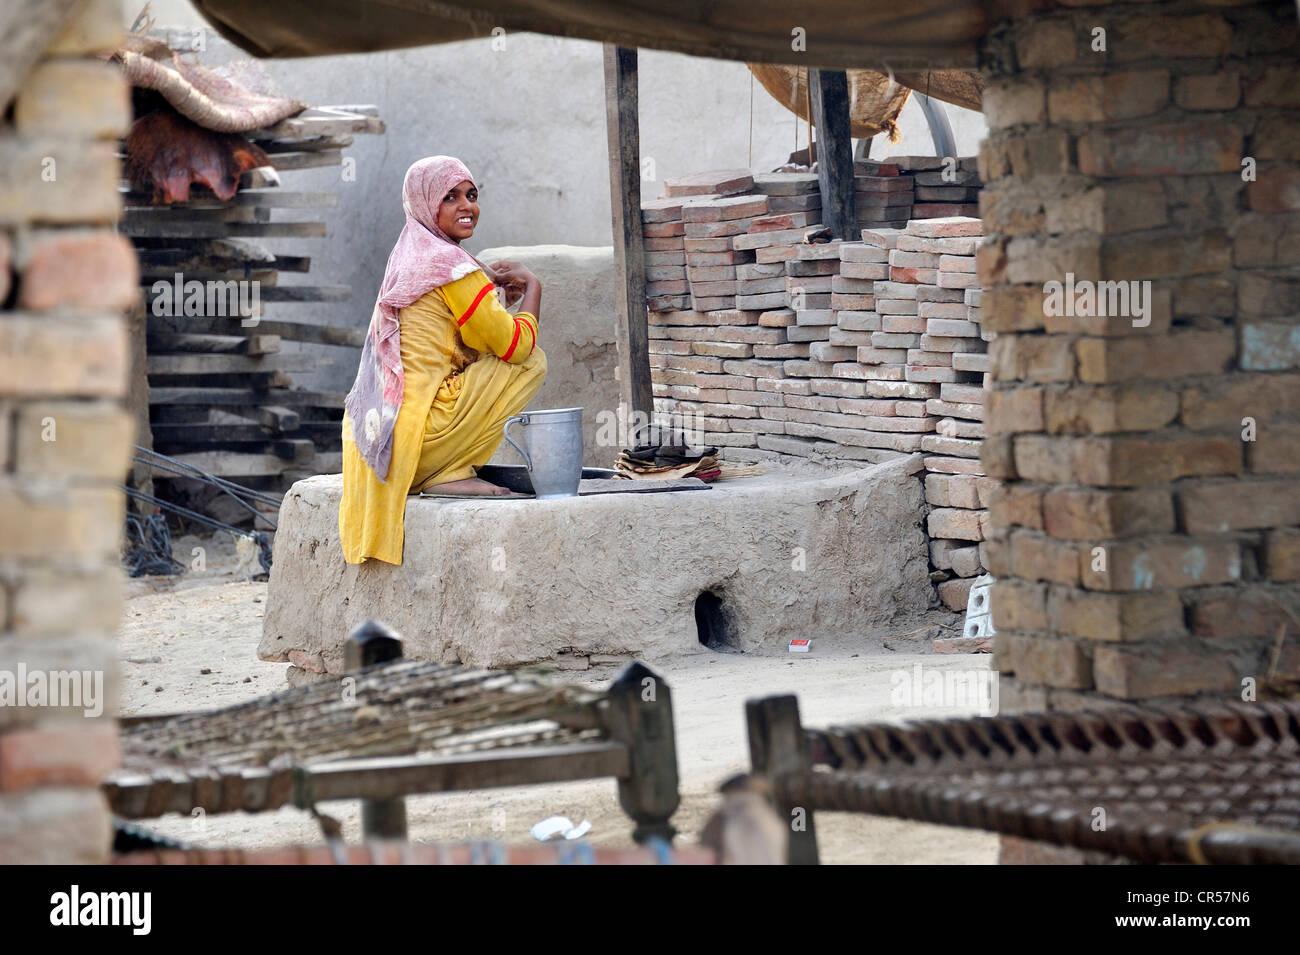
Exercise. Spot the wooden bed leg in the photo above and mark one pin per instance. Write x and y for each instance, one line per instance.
(638, 712)
(370, 643)
(777, 746)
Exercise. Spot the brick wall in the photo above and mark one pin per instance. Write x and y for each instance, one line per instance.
(1145, 536)
(858, 351)
(65, 277)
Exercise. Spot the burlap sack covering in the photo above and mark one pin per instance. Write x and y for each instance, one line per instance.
(875, 99)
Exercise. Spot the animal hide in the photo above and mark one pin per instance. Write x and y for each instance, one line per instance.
(166, 153)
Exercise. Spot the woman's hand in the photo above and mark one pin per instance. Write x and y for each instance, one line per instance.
(519, 283)
(514, 276)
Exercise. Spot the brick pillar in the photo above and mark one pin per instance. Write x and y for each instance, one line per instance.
(65, 275)
(1145, 538)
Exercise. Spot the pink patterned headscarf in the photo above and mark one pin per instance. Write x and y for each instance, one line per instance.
(423, 259)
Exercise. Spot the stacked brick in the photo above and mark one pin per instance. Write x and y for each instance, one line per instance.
(944, 187)
(947, 346)
(1146, 533)
(857, 351)
(65, 440)
(882, 193)
(690, 262)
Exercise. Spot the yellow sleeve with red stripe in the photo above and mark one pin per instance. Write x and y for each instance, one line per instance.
(483, 322)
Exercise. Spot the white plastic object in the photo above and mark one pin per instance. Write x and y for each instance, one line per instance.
(551, 827)
(979, 616)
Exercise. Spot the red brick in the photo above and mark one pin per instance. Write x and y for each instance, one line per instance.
(1240, 613)
(721, 182)
(1171, 35)
(1162, 563)
(1035, 358)
(954, 524)
(1160, 670)
(1172, 149)
(1223, 403)
(1036, 557)
(1019, 605)
(1179, 355)
(70, 754)
(1108, 409)
(953, 594)
(1114, 617)
(79, 269)
(1282, 555)
(1012, 309)
(1209, 91)
(1276, 449)
(1275, 85)
(1275, 190)
(1016, 505)
(1239, 505)
(1088, 514)
(1157, 460)
(1060, 663)
(1095, 99)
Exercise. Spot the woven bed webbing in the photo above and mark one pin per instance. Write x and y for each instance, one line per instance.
(1167, 784)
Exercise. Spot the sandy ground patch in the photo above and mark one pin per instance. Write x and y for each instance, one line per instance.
(175, 628)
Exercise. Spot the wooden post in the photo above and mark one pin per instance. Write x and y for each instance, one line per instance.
(621, 123)
(638, 712)
(830, 107)
(370, 643)
(777, 746)
(140, 476)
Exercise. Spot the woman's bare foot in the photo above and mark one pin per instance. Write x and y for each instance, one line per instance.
(468, 486)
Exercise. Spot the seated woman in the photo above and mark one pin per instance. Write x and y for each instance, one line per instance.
(443, 366)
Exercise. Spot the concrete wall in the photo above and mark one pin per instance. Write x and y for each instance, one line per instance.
(529, 121)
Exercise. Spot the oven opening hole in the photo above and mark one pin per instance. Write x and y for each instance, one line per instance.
(712, 625)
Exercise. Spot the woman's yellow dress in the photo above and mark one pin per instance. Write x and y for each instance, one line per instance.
(468, 366)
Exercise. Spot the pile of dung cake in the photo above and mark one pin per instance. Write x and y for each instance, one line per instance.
(667, 461)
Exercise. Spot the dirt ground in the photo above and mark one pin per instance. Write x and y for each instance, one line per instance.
(174, 629)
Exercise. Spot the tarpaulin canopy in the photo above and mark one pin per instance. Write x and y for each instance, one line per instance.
(837, 34)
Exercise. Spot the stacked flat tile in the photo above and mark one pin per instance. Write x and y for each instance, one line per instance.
(951, 351)
(791, 193)
(710, 374)
(664, 235)
(711, 260)
(942, 187)
(688, 257)
(882, 193)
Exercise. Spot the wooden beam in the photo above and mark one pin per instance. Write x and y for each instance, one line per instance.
(830, 107)
(624, 137)
(387, 777)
